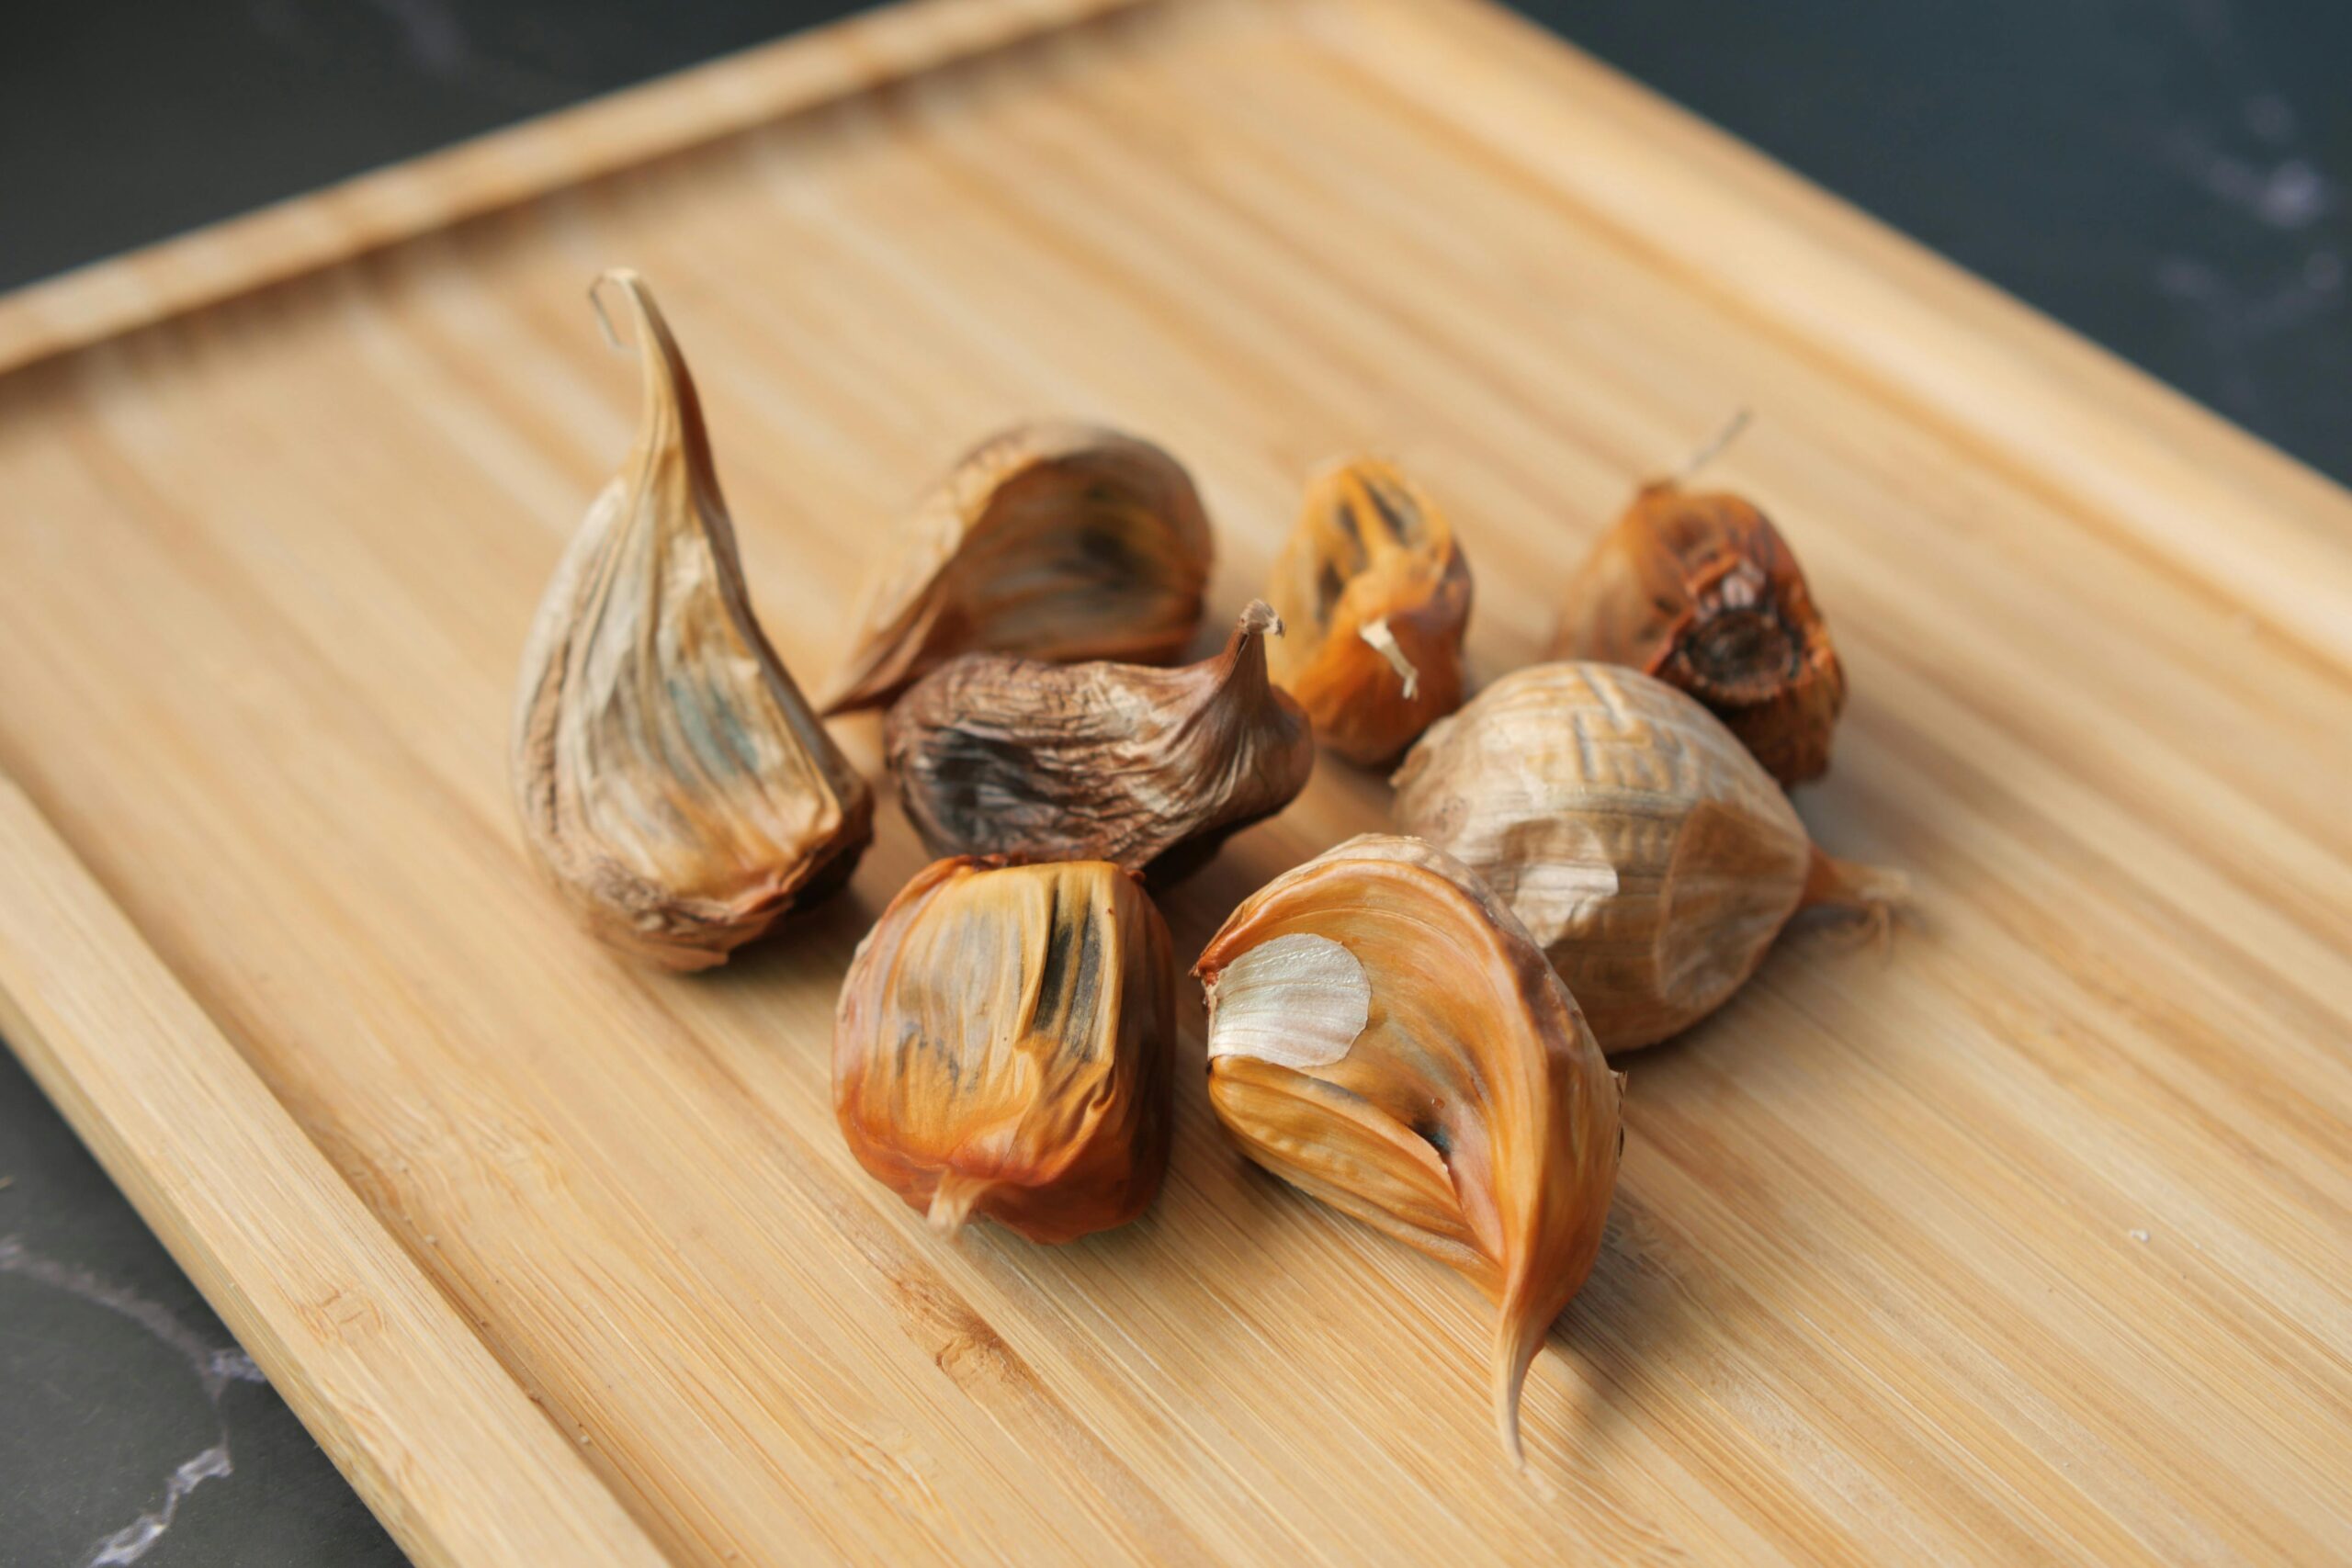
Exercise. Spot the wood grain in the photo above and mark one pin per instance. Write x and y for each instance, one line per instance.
(2024, 1242)
(619, 130)
(355, 1338)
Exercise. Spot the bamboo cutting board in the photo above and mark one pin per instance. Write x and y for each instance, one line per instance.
(2029, 1239)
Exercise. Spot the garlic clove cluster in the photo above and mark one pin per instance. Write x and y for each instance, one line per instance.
(1123, 762)
(1055, 541)
(672, 782)
(1702, 592)
(1386, 1035)
(1646, 850)
(1376, 594)
(1004, 1045)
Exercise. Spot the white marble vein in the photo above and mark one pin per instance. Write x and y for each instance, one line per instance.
(215, 1368)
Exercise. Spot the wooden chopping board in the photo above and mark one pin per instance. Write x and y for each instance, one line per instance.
(2029, 1239)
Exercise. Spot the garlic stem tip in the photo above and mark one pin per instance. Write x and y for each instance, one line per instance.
(624, 277)
(1879, 892)
(1713, 447)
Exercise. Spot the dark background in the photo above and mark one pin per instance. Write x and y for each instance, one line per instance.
(2163, 176)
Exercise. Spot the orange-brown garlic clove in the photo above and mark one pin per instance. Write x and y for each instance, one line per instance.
(1123, 762)
(1377, 595)
(1003, 1046)
(1645, 850)
(1054, 541)
(673, 784)
(1702, 592)
(1383, 1034)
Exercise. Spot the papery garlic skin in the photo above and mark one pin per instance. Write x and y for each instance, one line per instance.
(1003, 1046)
(1646, 850)
(1054, 540)
(1700, 590)
(1377, 595)
(1123, 762)
(1441, 1084)
(672, 781)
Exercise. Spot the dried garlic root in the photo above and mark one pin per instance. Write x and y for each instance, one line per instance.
(673, 784)
(1121, 763)
(1649, 854)
(1377, 596)
(1054, 541)
(1003, 1046)
(1386, 1035)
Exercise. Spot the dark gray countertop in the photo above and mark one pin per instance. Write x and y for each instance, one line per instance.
(2164, 176)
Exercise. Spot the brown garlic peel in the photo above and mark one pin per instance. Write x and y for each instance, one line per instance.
(1652, 857)
(1377, 595)
(1701, 590)
(1384, 1035)
(1056, 541)
(1003, 1046)
(673, 783)
(1104, 761)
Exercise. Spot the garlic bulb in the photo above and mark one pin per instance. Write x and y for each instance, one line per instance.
(673, 784)
(1701, 592)
(1003, 1046)
(1105, 761)
(1377, 597)
(1054, 541)
(1647, 852)
(1385, 1035)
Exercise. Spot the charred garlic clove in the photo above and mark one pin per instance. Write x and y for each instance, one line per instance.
(1383, 1034)
(1054, 541)
(673, 784)
(1701, 592)
(1104, 762)
(1377, 597)
(1647, 852)
(1004, 1045)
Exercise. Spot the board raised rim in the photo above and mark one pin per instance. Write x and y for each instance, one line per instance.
(2218, 506)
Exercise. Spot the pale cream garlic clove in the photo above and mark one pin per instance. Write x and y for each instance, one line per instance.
(1385, 1035)
(1648, 850)
(1054, 541)
(1003, 1046)
(673, 784)
(1377, 595)
(1121, 763)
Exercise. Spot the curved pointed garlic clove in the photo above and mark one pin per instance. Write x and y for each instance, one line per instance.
(1645, 849)
(998, 755)
(1377, 596)
(1702, 592)
(672, 781)
(1434, 1079)
(1055, 541)
(1004, 1045)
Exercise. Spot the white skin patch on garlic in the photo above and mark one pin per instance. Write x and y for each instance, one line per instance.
(1381, 641)
(1298, 1000)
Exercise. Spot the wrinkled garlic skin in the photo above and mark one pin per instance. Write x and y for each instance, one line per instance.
(1701, 592)
(674, 785)
(1055, 541)
(1377, 595)
(998, 755)
(1003, 1046)
(1651, 856)
(1386, 1035)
